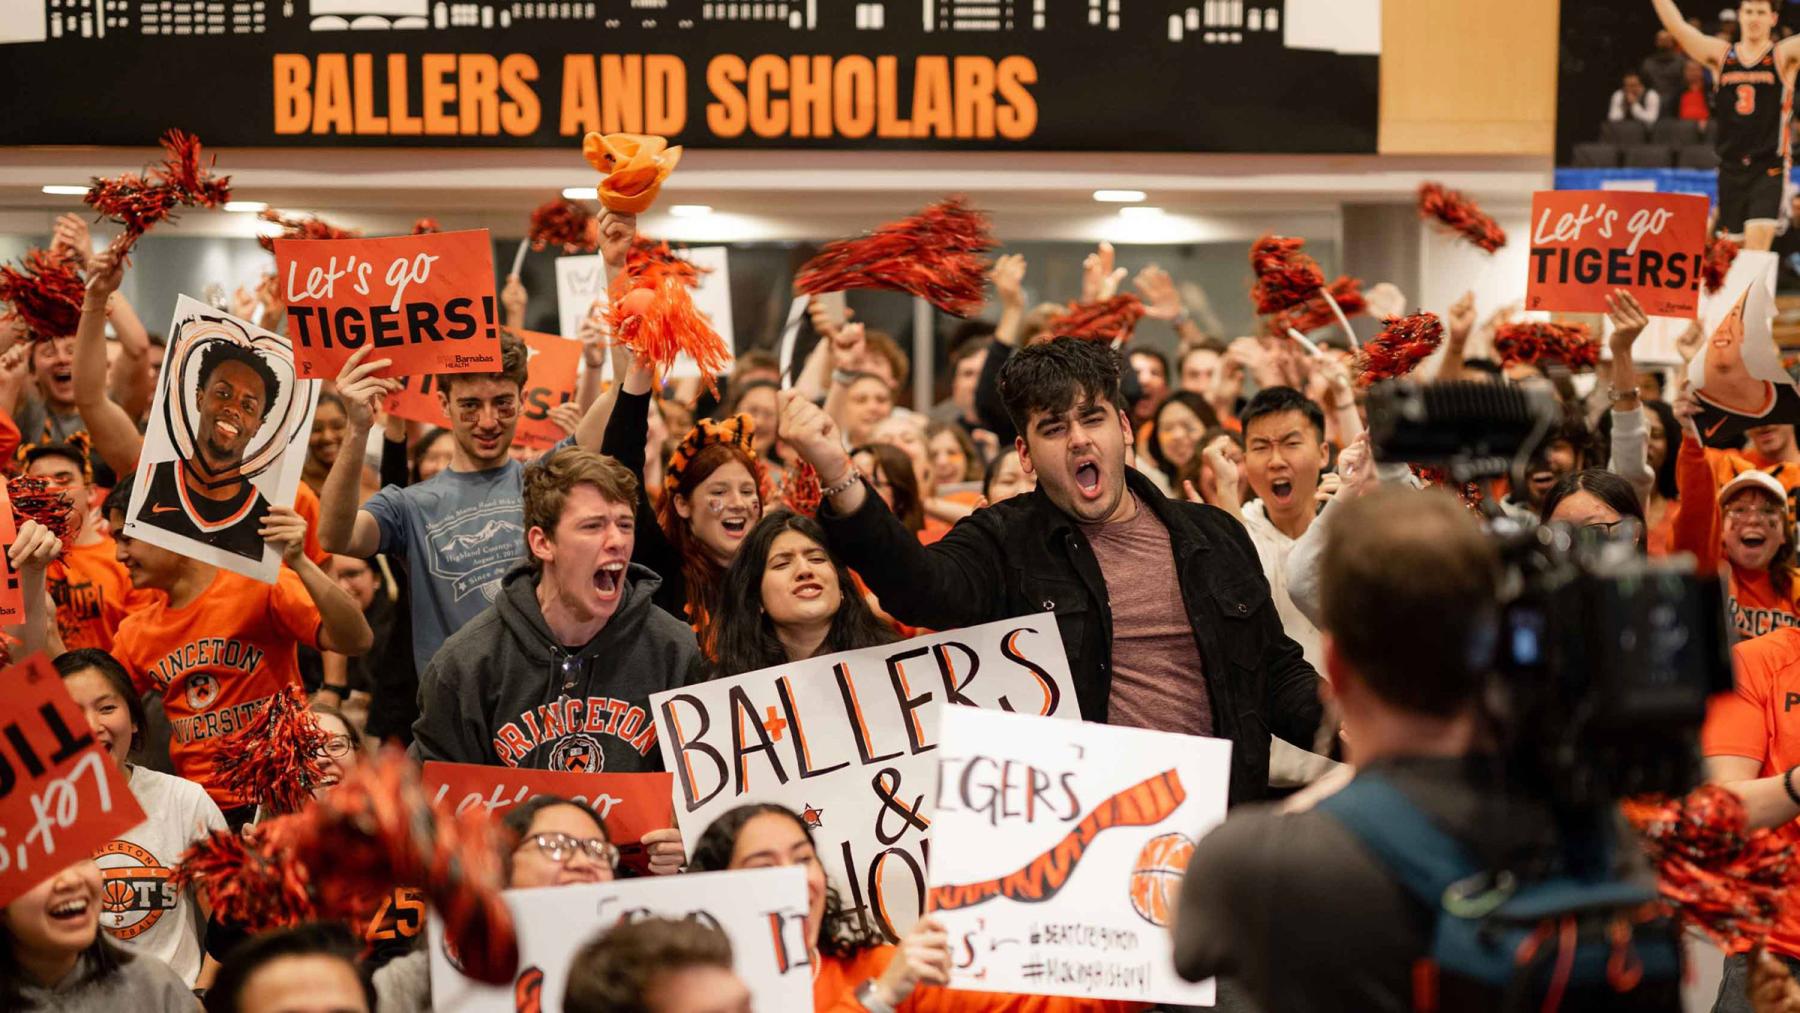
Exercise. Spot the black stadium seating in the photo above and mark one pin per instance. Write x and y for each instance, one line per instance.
(1648, 156)
(1676, 133)
(1597, 156)
(1624, 133)
(1696, 156)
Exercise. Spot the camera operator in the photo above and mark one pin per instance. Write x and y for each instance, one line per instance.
(1409, 586)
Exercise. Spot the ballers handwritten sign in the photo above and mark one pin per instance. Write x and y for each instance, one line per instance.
(61, 796)
(849, 742)
(631, 804)
(1058, 851)
(1587, 243)
(426, 302)
(550, 380)
(762, 911)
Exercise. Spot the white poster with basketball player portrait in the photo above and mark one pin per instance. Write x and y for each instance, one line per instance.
(1058, 849)
(226, 441)
(1737, 379)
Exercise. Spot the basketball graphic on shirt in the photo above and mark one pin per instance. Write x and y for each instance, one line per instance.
(1156, 876)
(135, 889)
(578, 754)
(202, 690)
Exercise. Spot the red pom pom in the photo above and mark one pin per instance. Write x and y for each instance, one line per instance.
(660, 323)
(426, 227)
(801, 491)
(650, 259)
(1715, 262)
(301, 227)
(934, 255)
(1285, 276)
(562, 223)
(1461, 215)
(140, 201)
(34, 500)
(274, 760)
(1570, 344)
(1724, 878)
(247, 882)
(1316, 313)
(1109, 320)
(45, 292)
(1402, 344)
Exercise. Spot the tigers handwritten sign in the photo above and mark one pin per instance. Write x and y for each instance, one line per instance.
(762, 912)
(849, 741)
(1585, 244)
(631, 804)
(1058, 849)
(426, 302)
(61, 796)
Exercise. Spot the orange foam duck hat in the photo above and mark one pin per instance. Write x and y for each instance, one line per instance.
(635, 166)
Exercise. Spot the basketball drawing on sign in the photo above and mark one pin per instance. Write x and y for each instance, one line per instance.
(226, 440)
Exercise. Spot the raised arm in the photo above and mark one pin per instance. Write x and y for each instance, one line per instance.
(1459, 322)
(617, 233)
(343, 528)
(342, 627)
(1697, 523)
(1629, 458)
(1692, 41)
(115, 436)
(1162, 301)
(28, 556)
(1009, 286)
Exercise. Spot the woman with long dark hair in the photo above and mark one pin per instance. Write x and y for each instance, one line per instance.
(787, 598)
(890, 471)
(853, 970)
(1596, 500)
(53, 955)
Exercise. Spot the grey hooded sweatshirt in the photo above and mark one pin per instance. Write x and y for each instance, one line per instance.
(503, 692)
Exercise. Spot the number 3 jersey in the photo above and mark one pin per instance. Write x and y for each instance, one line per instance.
(1751, 104)
(218, 661)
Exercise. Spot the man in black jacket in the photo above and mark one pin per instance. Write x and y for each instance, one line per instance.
(1163, 608)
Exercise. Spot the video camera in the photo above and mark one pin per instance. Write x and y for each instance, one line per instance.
(1603, 659)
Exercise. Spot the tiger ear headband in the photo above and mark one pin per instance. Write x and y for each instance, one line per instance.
(78, 443)
(736, 431)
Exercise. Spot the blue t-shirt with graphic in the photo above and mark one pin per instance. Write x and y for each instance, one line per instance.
(460, 531)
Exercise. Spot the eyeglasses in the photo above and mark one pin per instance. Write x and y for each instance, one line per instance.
(1760, 513)
(504, 408)
(337, 747)
(559, 848)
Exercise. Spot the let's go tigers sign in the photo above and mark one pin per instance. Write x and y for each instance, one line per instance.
(1058, 849)
(849, 741)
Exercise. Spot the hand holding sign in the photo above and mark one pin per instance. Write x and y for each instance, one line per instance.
(364, 389)
(1584, 244)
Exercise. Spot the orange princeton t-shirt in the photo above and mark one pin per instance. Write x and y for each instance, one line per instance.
(93, 594)
(217, 661)
(1760, 720)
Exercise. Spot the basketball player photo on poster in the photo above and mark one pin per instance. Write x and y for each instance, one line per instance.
(227, 438)
(1737, 379)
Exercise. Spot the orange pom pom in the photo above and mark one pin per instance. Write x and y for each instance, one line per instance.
(660, 323)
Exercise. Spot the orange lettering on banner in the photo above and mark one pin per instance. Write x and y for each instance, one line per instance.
(811, 96)
(363, 85)
(293, 94)
(521, 113)
(580, 96)
(887, 97)
(435, 69)
(768, 117)
(727, 115)
(1019, 119)
(931, 98)
(622, 93)
(331, 99)
(665, 107)
(478, 89)
(974, 97)
(853, 96)
(400, 120)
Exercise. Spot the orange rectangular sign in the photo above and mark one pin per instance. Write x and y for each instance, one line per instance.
(1586, 244)
(61, 795)
(426, 302)
(550, 380)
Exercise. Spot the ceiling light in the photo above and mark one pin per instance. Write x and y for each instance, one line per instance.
(1118, 196)
(66, 191)
(1141, 211)
(247, 206)
(690, 210)
(581, 193)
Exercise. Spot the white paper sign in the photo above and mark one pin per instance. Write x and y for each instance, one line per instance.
(1058, 849)
(581, 281)
(762, 911)
(849, 742)
(226, 441)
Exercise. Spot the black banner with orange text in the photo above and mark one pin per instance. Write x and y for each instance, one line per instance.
(1252, 76)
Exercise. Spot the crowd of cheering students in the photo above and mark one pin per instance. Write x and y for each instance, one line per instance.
(440, 587)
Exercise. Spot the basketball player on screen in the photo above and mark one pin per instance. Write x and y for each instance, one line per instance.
(1752, 96)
